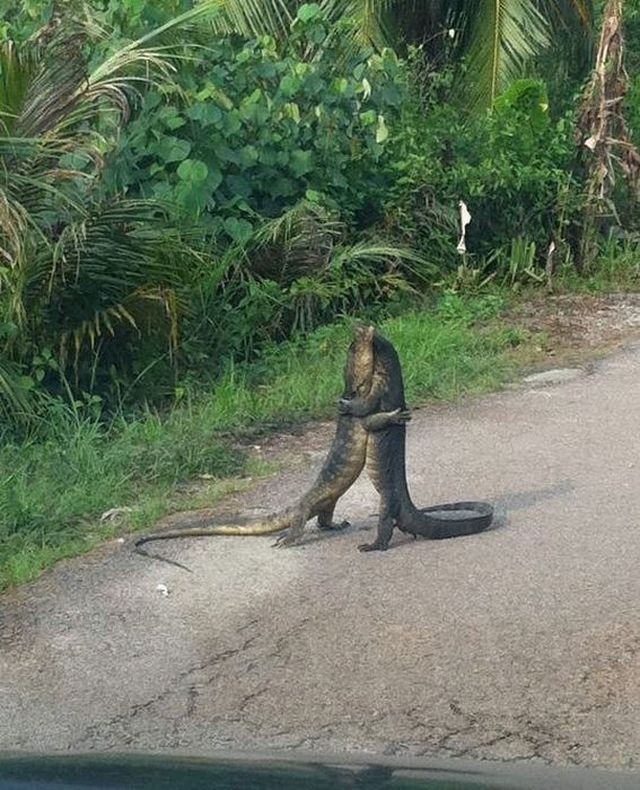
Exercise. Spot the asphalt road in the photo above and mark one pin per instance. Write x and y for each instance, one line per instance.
(522, 643)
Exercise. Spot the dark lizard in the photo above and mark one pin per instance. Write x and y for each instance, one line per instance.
(386, 464)
(341, 468)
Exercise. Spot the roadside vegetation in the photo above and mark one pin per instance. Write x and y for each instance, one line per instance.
(198, 199)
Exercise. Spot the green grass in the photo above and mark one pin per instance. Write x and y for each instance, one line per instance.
(52, 492)
(617, 268)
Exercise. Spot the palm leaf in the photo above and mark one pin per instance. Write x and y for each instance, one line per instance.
(17, 71)
(371, 23)
(298, 242)
(504, 36)
(497, 37)
(573, 50)
(102, 270)
(254, 17)
(15, 399)
(562, 11)
(386, 257)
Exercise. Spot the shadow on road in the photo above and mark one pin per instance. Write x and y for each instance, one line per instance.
(524, 500)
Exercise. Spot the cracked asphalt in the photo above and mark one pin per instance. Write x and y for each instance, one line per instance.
(519, 644)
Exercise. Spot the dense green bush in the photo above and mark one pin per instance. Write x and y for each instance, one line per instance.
(512, 167)
(250, 130)
(124, 19)
(262, 157)
(307, 184)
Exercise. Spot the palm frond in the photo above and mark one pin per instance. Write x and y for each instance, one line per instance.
(102, 269)
(298, 242)
(504, 36)
(499, 37)
(573, 49)
(254, 17)
(387, 257)
(563, 11)
(371, 23)
(15, 398)
(358, 276)
(17, 71)
(45, 86)
(299, 225)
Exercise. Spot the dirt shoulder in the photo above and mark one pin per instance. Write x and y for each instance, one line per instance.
(579, 326)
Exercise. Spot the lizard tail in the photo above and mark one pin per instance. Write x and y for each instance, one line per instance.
(263, 527)
(177, 564)
(439, 528)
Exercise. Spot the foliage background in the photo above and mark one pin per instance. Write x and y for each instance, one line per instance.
(258, 186)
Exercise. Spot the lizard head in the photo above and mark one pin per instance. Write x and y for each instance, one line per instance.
(358, 373)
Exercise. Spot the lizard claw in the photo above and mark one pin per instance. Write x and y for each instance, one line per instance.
(287, 539)
(371, 547)
(333, 525)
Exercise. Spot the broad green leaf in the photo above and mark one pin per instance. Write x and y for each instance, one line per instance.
(254, 97)
(192, 195)
(391, 94)
(226, 154)
(212, 91)
(74, 160)
(283, 187)
(290, 85)
(239, 229)
(244, 55)
(382, 132)
(317, 33)
(171, 149)
(239, 185)
(368, 118)
(301, 162)
(172, 119)
(309, 11)
(25, 382)
(214, 179)
(340, 85)
(248, 156)
(162, 190)
(193, 170)
(232, 122)
(291, 110)
(206, 113)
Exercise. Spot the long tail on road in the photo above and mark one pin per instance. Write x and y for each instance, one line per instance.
(275, 523)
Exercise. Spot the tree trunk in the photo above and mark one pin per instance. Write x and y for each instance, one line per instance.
(606, 146)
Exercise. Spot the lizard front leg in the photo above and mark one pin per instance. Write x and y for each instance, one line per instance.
(384, 419)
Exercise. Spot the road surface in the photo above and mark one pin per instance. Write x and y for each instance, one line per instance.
(522, 643)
